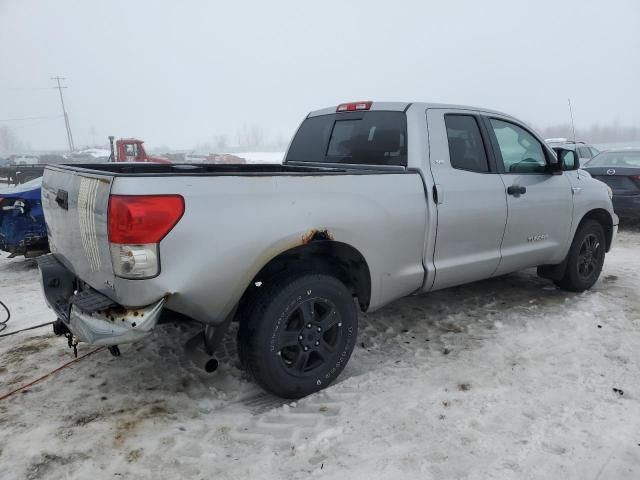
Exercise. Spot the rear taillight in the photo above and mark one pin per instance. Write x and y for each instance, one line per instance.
(635, 177)
(143, 218)
(135, 261)
(353, 106)
(137, 224)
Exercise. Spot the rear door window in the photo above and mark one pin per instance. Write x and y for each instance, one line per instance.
(466, 148)
(368, 138)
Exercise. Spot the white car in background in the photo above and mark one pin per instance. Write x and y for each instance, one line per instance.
(26, 160)
(584, 151)
(196, 157)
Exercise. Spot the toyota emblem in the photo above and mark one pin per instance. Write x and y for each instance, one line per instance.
(611, 171)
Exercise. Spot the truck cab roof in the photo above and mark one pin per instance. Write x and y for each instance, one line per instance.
(404, 106)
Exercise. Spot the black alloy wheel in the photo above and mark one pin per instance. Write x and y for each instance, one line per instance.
(589, 256)
(298, 332)
(585, 259)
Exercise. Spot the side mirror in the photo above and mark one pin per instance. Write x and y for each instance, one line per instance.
(567, 159)
(554, 167)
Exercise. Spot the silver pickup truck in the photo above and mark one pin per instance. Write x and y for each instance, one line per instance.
(374, 201)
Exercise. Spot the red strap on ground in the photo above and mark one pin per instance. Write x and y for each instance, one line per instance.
(50, 373)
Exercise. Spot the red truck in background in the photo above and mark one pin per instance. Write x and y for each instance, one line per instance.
(22, 225)
(131, 150)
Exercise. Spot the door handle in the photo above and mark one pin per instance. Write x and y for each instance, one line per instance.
(516, 190)
(62, 199)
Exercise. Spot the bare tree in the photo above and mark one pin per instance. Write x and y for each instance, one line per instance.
(250, 136)
(220, 143)
(8, 140)
(281, 142)
(92, 132)
(594, 134)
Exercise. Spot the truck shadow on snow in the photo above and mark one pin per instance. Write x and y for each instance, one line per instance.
(435, 324)
(446, 321)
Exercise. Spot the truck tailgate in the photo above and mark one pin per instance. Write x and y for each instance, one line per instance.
(75, 208)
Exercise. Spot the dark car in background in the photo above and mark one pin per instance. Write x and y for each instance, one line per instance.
(620, 169)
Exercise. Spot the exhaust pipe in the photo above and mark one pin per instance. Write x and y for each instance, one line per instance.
(198, 356)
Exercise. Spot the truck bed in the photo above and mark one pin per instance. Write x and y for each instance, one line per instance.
(155, 169)
(236, 219)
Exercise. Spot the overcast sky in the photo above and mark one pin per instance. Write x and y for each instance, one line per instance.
(177, 73)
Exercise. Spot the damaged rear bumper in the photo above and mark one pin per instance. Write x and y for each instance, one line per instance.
(90, 316)
(114, 326)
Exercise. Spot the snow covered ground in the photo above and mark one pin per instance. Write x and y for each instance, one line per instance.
(503, 379)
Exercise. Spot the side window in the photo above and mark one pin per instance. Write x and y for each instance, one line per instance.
(520, 151)
(466, 148)
(131, 149)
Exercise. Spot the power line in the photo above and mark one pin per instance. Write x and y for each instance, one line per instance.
(26, 125)
(19, 119)
(64, 113)
(25, 88)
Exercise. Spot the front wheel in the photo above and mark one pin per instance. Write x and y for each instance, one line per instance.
(585, 259)
(299, 334)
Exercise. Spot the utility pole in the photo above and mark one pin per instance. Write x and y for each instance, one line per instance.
(64, 111)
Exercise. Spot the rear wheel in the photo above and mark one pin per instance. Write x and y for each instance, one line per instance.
(299, 334)
(585, 259)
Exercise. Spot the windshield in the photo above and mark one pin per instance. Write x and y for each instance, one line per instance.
(616, 159)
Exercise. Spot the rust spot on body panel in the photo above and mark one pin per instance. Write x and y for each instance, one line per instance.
(316, 235)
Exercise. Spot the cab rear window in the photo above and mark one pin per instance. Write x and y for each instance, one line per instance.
(367, 138)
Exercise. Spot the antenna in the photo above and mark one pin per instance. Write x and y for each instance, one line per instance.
(573, 127)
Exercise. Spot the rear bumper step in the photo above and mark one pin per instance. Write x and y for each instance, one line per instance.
(114, 326)
(91, 316)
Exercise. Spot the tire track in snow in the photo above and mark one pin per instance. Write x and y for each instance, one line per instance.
(426, 330)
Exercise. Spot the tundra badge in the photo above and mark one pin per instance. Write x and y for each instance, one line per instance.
(537, 238)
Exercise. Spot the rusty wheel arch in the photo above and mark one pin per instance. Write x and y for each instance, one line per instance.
(320, 253)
